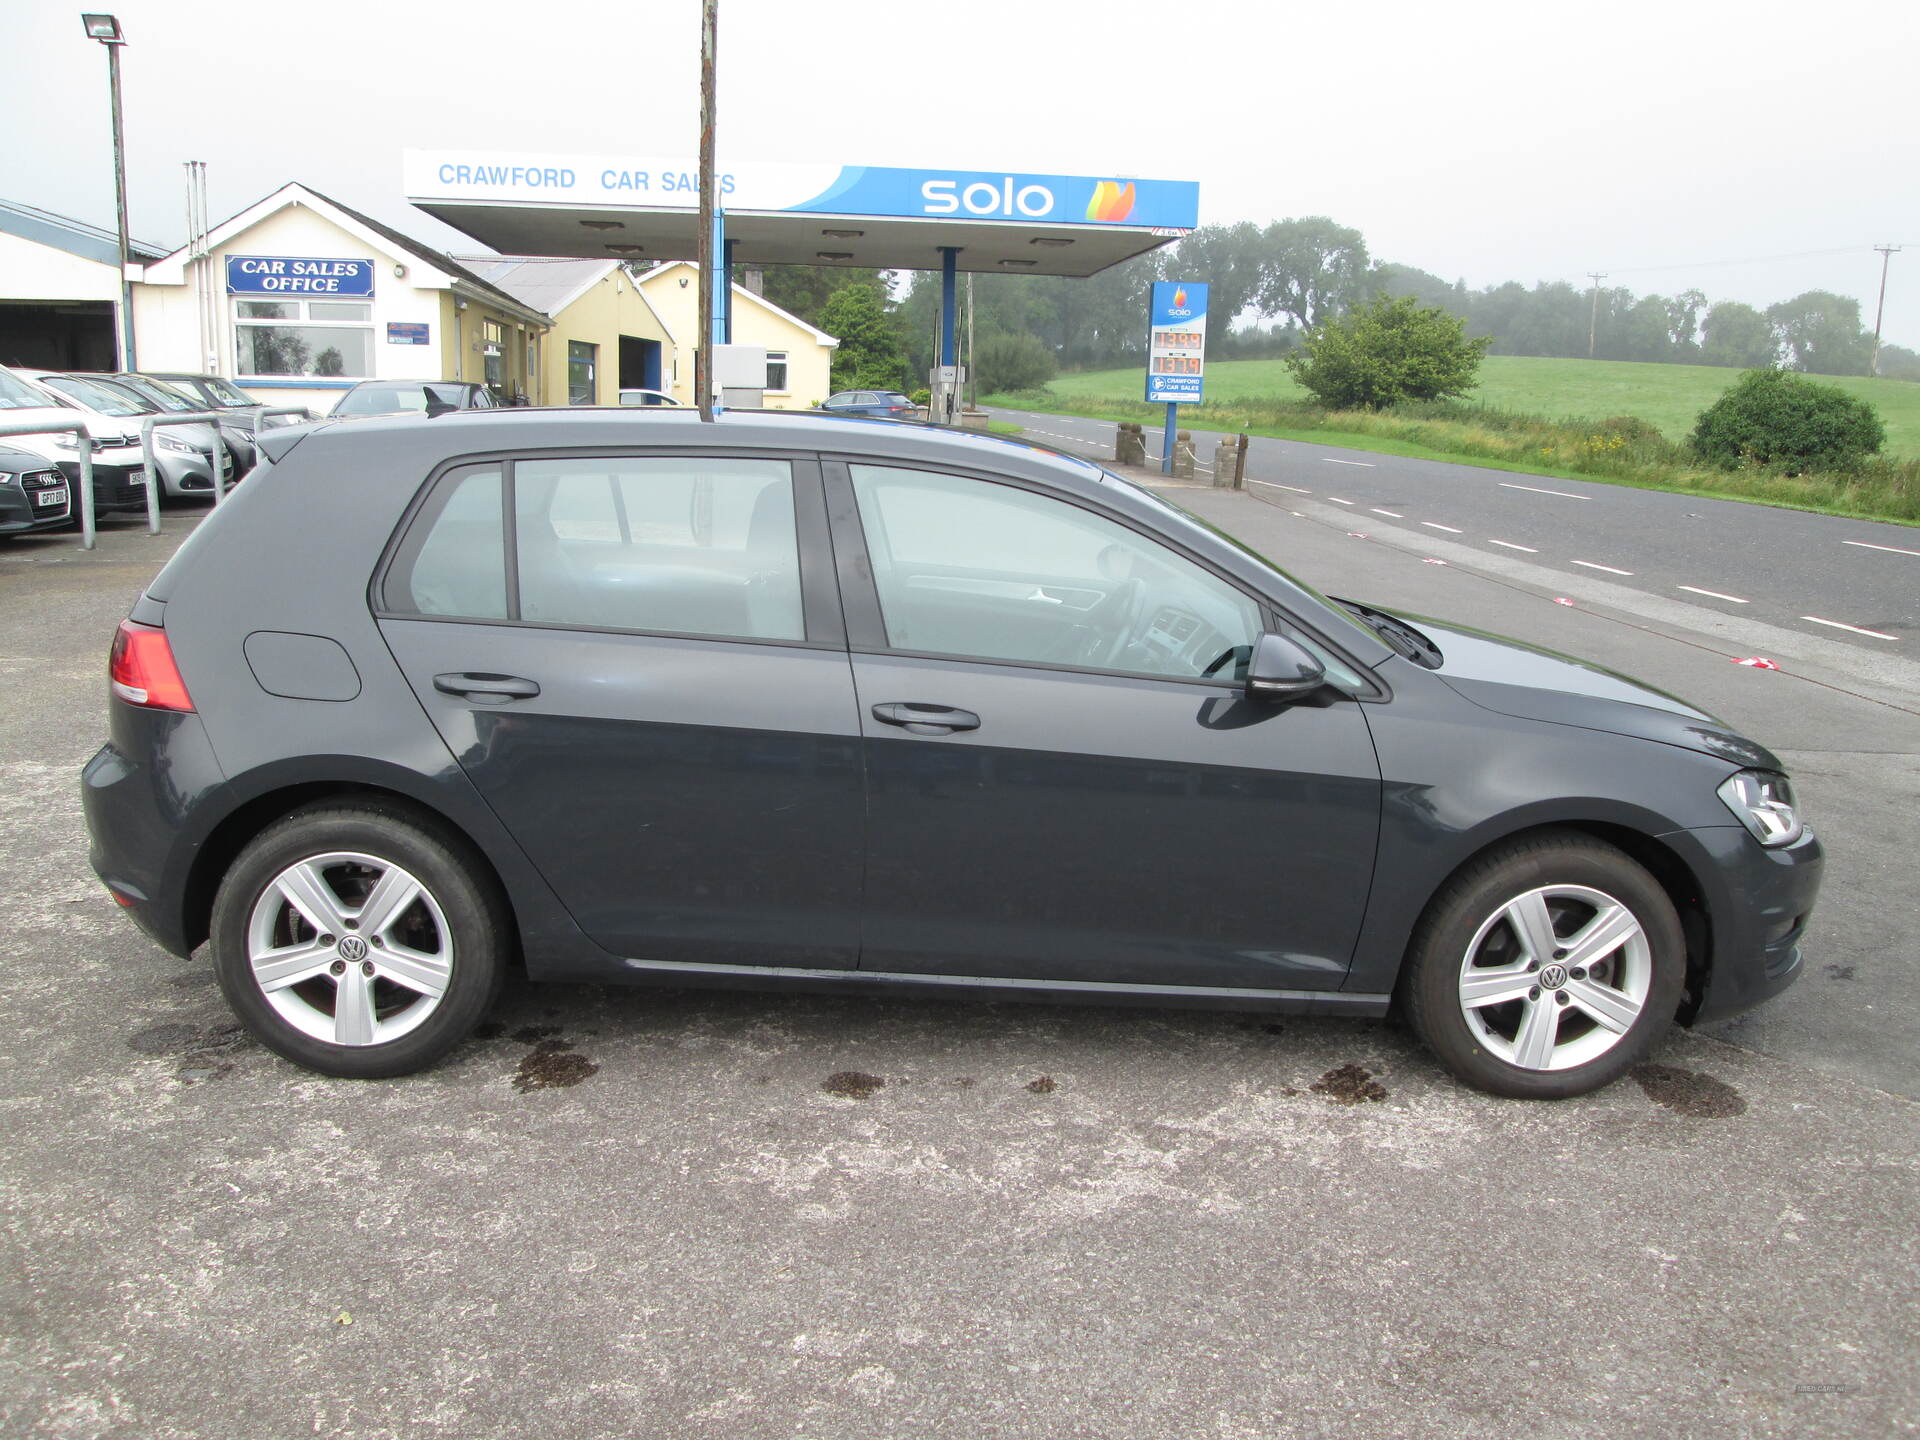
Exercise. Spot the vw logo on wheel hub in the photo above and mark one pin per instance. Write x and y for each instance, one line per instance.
(1551, 978)
(352, 947)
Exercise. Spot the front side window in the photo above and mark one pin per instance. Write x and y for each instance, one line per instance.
(583, 361)
(321, 338)
(970, 568)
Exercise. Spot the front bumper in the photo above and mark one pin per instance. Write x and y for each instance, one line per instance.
(23, 509)
(1757, 904)
(116, 486)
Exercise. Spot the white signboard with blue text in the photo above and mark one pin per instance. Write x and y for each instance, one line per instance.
(299, 275)
(1176, 342)
(826, 189)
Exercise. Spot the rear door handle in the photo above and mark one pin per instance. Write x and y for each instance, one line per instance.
(919, 719)
(486, 688)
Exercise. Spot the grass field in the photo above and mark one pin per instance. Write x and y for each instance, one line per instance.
(1667, 396)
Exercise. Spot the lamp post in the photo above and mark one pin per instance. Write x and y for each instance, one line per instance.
(106, 30)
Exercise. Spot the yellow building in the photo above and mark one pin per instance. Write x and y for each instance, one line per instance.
(614, 329)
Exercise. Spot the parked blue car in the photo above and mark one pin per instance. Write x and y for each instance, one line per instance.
(886, 404)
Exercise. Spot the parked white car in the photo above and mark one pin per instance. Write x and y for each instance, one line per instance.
(119, 478)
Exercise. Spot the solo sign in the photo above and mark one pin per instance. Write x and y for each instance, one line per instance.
(1176, 342)
(299, 275)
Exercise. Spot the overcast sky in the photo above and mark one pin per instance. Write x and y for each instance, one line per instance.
(1752, 149)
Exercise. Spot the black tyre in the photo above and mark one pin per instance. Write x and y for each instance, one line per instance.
(1546, 969)
(357, 941)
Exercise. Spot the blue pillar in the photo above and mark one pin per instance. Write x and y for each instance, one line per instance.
(947, 270)
(717, 322)
(727, 289)
(1167, 441)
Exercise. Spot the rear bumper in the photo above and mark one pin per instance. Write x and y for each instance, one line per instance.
(140, 817)
(1758, 902)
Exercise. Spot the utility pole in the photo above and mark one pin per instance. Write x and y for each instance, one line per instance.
(709, 47)
(973, 387)
(1886, 253)
(106, 29)
(1593, 320)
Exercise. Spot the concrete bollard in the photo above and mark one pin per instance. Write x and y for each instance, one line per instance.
(1129, 444)
(1183, 455)
(1225, 453)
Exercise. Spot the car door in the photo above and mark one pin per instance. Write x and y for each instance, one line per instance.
(1065, 783)
(638, 659)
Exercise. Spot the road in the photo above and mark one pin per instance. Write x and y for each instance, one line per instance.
(676, 1214)
(1813, 574)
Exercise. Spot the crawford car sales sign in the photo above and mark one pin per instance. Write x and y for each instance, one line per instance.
(298, 275)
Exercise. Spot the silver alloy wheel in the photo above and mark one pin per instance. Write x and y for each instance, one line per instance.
(1555, 977)
(349, 948)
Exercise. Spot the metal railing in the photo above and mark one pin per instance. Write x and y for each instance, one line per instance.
(215, 452)
(67, 427)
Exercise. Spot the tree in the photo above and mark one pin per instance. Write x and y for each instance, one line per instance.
(1776, 417)
(869, 356)
(1387, 351)
(1648, 333)
(1822, 334)
(1003, 363)
(1899, 363)
(1227, 258)
(803, 290)
(1737, 334)
(1312, 269)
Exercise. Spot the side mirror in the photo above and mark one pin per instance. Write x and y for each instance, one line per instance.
(1282, 669)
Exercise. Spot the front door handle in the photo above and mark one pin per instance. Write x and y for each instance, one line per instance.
(919, 719)
(487, 689)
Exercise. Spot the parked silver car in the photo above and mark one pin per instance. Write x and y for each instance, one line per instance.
(184, 455)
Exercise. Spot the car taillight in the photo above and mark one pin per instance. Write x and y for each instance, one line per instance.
(141, 669)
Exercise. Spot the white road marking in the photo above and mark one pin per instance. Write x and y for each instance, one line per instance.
(1563, 494)
(1363, 464)
(1714, 593)
(1842, 625)
(1591, 565)
(1511, 546)
(1436, 525)
(1890, 549)
(1338, 501)
(1390, 514)
(1278, 486)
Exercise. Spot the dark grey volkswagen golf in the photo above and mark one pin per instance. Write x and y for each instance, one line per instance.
(849, 705)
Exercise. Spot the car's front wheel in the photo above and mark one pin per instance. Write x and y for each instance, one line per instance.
(1547, 968)
(355, 941)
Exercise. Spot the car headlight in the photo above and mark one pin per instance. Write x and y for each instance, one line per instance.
(66, 440)
(174, 443)
(6, 477)
(1763, 802)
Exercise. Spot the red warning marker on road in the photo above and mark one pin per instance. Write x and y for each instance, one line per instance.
(1561, 600)
(1758, 662)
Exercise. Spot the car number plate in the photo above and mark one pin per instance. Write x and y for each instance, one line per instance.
(50, 497)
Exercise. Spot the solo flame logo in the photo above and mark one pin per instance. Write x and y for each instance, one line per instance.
(1180, 298)
(1112, 201)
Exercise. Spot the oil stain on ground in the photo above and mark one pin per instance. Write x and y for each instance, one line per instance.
(1688, 1092)
(851, 1084)
(1349, 1084)
(552, 1064)
(1043, 1085)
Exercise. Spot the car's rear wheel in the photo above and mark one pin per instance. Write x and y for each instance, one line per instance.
(1547, 968)
(356, 941)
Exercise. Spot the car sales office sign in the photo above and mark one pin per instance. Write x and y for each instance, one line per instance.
(1176, 342)
(299, 275)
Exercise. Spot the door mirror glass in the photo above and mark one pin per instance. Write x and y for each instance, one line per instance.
(1282, 669)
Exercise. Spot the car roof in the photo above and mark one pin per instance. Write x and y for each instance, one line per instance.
(467, 432)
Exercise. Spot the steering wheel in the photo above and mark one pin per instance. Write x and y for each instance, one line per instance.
(1120, 613)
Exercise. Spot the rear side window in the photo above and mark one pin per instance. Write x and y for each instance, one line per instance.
(683, 546)
(696, 547)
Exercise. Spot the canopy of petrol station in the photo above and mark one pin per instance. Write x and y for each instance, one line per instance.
(625, 207)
